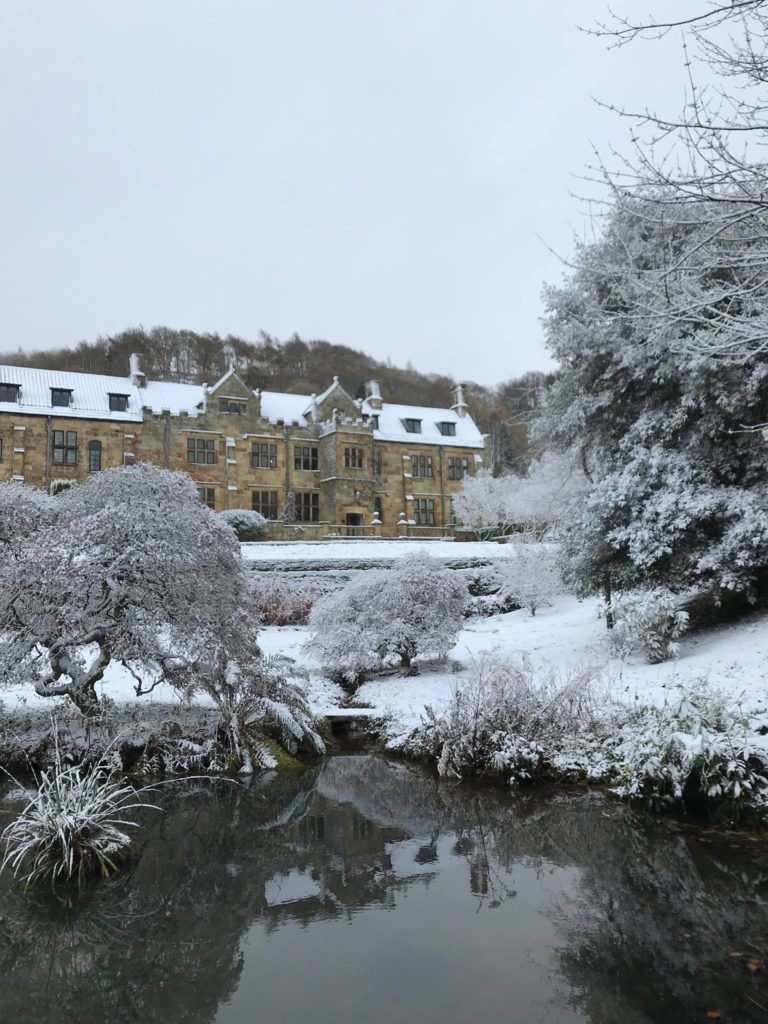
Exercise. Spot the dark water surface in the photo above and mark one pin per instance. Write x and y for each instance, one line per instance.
(367, 891)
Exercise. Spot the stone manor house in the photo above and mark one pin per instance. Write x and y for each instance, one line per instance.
(328, 462)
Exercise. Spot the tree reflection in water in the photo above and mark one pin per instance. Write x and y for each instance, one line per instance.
(645, 926)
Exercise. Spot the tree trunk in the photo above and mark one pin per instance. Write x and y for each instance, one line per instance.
(85, 700)
(608, 597)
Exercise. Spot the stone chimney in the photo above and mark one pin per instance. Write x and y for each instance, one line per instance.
(373, 394)
(313, 409)
(459, 406)
(137, 378)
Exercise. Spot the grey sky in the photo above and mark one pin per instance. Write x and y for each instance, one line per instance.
(373, 173)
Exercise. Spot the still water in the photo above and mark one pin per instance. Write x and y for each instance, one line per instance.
(367, 891)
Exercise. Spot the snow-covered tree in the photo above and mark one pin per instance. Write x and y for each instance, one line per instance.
(500, 505)
(479, 506)
(531, 577)
(679, 490)
(23, 510)
(706, 165)
(388, 618)
(134, 570)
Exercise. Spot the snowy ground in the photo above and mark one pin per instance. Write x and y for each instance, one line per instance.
(370, 549)
(567, 638)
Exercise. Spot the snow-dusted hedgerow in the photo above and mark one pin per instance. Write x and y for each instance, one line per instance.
(648, 620)
(701, 750)
(281, 601)
(388, 618)
(247, 524)
(511, 722)
(702, 747)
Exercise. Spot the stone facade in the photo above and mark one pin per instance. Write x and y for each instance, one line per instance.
(328, 468)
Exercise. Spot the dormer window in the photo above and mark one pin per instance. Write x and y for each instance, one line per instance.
(412, 426)
(375, 421)
(447, 429)
(9, 392)
(228, 408)
(118, 403)
(61, 396)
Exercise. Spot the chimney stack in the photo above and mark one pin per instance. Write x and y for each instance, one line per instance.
(459, 406)
(373, 395)
(137, 378)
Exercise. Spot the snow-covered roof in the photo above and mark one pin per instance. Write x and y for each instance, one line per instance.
(392, 425)
(90, 394)
(91, 391)
(277, 406)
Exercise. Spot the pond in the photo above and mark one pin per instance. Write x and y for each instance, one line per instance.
(365, 890)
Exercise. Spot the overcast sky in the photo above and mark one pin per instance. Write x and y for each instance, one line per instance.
(373, 172)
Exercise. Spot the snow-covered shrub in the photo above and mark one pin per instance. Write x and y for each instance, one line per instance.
(280, 601)
(508, 721)
(531, 578)
(388, 618)
(73, 826)
(699, 748)
(247, 524)
(261, 703)
(648, 620)
(23, 509)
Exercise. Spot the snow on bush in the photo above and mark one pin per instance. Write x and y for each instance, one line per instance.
(700, 748)
(531, 579)
(493, 506)
(388, 618)
(23, 509)
(281, 601)
(248, 525)
(647, 620)
(73, 826)
(508, 721)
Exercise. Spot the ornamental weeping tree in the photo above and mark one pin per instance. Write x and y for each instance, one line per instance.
(130, 568)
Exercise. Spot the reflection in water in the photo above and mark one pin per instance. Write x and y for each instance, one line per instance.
(368, 890)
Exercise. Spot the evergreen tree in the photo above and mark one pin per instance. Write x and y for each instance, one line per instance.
(506, 456)
(679, 493)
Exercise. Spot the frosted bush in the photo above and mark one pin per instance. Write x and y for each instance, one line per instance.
(23, 509)
(508, 721)
(248, 525)
(283, 601)
(700, 747)
(73, 826)
(531, 578)
(649, 621)
(388, 618)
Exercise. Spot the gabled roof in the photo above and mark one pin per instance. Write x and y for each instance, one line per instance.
(392, 427)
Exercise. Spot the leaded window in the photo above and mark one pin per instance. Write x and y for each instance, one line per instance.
(64, 447)
(263, 456)
(201, 451)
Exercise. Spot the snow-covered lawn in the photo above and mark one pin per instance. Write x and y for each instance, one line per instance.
(370, 549)
(565, 638)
